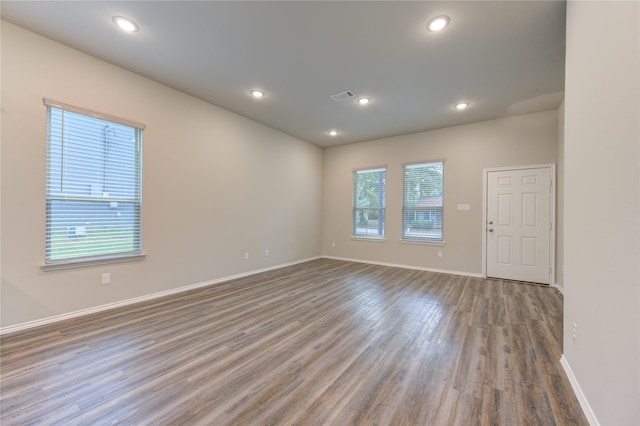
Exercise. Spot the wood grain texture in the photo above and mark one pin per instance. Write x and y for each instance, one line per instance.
(326, 342)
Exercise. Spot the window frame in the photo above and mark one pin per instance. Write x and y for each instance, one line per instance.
(381, 209)
(405, 237)
(52, 196)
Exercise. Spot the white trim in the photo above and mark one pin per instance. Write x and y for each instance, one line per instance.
(552, 219)
(558, 287)
(71, 264)
(400, 265)
(61, 105)
(485, 177)
(108, 306)
(382, 168)
(424, 242)
(373, 239)
(582, 399)
(552, 214)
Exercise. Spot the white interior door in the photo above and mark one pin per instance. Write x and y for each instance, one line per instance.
(519, 222)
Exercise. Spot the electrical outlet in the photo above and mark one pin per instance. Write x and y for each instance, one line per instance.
(333, 244)
(106, 279)
(439, 253)
(246, 255)
(266, 252)
(574, 334)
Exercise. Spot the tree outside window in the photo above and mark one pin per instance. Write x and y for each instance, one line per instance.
(422, 213)
(369, 188)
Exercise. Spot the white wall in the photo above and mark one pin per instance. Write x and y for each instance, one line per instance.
(560, 202)
(467, 150)
(602, 206)
(215, 185)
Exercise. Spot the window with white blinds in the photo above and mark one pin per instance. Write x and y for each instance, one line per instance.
(93, 189)
(369, 195)
(422, 201)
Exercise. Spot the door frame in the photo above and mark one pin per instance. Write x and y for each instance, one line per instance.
(552, 213)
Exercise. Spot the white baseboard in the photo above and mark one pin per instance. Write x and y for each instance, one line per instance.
(558, 287)
(399, 265)
(108, 306)
(582, 399)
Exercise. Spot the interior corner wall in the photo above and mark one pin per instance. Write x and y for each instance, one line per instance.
(215, 184)
(467, 150)
(602, 207)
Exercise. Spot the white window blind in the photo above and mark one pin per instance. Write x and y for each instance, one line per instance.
(422, 197)
(93, 186)
(369, 195)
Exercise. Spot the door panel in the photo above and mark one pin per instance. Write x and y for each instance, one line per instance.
(529, 252)
(529, 210)
(518, 224)
(504, 250)
(504, 209)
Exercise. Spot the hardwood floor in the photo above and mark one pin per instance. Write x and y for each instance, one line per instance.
(326, 342)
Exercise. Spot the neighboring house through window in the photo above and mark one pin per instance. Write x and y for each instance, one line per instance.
(93, 188)
(369, 195)
(422, 201)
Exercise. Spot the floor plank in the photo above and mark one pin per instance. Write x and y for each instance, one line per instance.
(325, 342)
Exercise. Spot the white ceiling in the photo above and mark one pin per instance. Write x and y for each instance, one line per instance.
(505, 58)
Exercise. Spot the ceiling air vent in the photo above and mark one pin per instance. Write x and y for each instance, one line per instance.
(339, 97)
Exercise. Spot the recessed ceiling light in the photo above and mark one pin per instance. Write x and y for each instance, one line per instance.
(462, 105)
(257, 93)
(125, 24)
(333, 133)
(364, 101)
(438, 23)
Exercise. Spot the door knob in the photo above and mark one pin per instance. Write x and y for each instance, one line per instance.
(490, 222)
(490, 229)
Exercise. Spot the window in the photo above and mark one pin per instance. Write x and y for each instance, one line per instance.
(369, 202)
(93, 186)
(422, 201)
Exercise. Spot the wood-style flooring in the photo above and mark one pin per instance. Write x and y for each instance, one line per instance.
(325, 342)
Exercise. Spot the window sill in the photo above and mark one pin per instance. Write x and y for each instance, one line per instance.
(71, 264)
(373, 239)
(423, 242)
